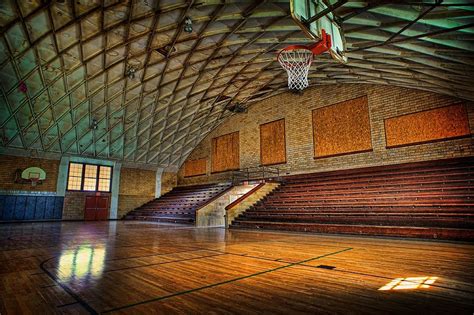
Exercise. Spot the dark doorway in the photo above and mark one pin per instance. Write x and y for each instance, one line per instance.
(97, 207)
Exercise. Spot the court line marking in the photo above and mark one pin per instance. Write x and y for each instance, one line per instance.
(67, 304)
(225, 282)
(163, 263)
(83, 303)
(58, 250)
(251, 256)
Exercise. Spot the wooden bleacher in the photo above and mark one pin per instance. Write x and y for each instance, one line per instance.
(428, 199)
(179, 205)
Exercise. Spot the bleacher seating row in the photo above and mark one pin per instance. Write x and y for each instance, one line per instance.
(427, 199)
(179, 205)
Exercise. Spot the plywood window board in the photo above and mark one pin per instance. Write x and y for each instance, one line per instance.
(195, 167)
(342, 128)
(444, 123)
(225, 153)
(273, 143)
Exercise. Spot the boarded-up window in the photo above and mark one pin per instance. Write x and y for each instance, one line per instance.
(431, 125)
(272, 143)
(342, 128)
(195, 167)
(225, 152)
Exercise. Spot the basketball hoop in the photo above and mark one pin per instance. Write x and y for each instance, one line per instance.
(33, 175)
(297, 59)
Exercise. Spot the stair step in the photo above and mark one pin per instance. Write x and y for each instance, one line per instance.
(416, 232)
(179, 205)
(433, 199)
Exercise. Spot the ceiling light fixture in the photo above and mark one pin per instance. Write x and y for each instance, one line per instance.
(131, 72)
(188, 25)
(95, 124)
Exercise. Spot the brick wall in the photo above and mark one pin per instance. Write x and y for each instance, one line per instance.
(168, 181)
(74, 204)
(384, 102)
(136, 188)
(8, 165)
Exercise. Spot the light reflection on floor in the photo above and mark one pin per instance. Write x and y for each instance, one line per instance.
(84, 261)
(145, 268)
(409, 283)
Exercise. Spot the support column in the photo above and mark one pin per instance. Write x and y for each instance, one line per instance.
(159, 172)
(115, 190)
(62, 177)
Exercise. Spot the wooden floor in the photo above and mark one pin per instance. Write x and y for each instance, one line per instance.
(136, 268)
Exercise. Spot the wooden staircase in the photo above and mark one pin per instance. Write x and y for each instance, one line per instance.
(179, 205)
(248, 200)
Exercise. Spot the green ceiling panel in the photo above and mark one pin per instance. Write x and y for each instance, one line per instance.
(7, 12)
(38, 25)
(57, 90)
(34, 84)
(16, 98)
(11, 132)
(15, 142)
(23, 115)
(3, 51)
(156, 90)
(30, 135)
(8, 77)
(52, 71)
(16, 39)
(41, 102)
(64, 124)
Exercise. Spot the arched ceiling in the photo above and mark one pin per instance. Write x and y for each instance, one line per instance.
(74, 58)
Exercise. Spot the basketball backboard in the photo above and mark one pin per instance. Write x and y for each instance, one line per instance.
(33, 173)
(303, 10)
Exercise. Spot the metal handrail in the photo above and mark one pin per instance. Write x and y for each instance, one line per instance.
(244, 196)
(256, 173)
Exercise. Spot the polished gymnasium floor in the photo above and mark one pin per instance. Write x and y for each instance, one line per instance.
(143, 268)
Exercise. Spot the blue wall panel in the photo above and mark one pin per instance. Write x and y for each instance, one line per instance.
(49, 211)
(30, 207)
(20, 207)
(40, 205)
(58, 208)
(9, 208)
(2, 204)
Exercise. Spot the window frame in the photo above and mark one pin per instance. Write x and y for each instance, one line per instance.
(97, 178)
(69, 176)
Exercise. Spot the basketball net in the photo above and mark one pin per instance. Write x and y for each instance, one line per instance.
(34, 181)
(297, 60)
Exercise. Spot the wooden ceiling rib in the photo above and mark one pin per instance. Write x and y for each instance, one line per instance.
(74, 57)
